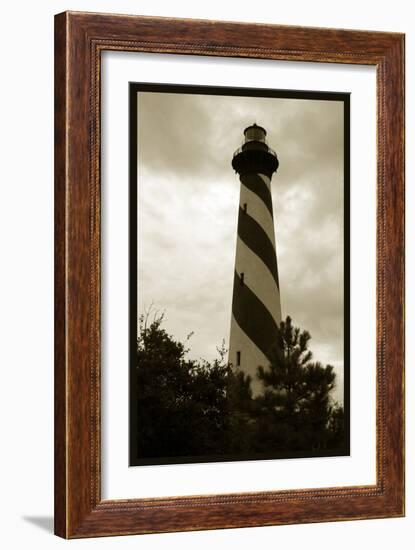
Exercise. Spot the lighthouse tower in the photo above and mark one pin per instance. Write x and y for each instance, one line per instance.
(256, 307)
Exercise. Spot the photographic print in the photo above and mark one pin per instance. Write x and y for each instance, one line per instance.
(239, 274)
(220, 263)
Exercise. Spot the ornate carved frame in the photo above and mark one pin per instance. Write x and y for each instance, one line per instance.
(79, 40)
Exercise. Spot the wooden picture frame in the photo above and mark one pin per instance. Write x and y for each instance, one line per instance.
(80, 38)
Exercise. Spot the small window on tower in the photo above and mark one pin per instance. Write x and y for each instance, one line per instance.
(245, 207)
(242, 278)
(238, 358)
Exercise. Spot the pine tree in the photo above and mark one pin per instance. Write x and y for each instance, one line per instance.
(295, 411)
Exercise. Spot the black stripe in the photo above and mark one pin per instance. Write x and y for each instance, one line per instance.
(256, 184)
(253, 317)
(255, 238)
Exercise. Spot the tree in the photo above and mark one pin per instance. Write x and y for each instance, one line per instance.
(188, 408)
(295, 412)
(240, 422)
(181, 403)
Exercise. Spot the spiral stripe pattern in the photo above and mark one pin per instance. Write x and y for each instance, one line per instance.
(256, 307)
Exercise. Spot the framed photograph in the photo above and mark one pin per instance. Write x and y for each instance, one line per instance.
(229, 280)
(196, 393)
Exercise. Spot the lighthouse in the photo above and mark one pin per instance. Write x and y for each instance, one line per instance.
(256, 306)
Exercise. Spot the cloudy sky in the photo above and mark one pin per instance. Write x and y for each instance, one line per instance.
(188, 199)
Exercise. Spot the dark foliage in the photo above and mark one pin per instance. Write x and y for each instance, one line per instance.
(190, 408)
(295, 411)
(182, 404)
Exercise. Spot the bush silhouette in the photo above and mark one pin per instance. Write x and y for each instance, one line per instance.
(188, 408)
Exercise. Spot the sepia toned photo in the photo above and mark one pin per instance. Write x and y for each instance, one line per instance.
(239, 274)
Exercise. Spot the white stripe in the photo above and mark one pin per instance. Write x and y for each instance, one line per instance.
(258, 278)
(251, 356)
(256, 208)
(266, 180)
